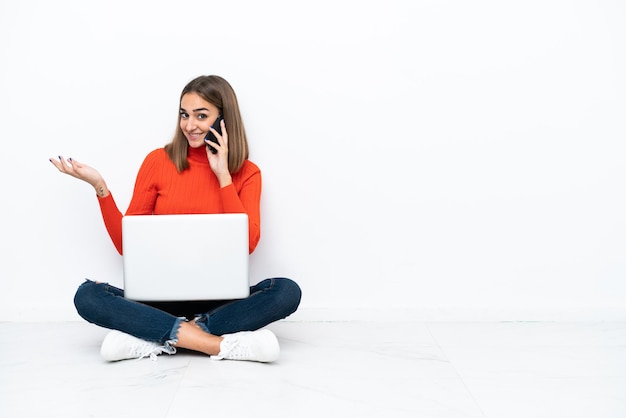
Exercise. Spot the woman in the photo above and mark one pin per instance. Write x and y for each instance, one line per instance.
(186, 177)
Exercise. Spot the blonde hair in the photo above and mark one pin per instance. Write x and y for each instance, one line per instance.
(217, 91)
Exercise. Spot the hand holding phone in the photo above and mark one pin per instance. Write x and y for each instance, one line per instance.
(211, 137)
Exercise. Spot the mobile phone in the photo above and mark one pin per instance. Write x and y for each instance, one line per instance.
(210, 137)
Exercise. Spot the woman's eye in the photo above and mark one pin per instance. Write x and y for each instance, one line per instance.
(183, 115)
(202, 116)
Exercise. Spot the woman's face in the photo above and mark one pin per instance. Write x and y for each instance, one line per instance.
(196, 116)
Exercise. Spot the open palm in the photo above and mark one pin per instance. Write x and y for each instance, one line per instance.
(76, 169)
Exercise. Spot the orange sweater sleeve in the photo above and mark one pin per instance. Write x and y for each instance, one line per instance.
(142, 203)
(246, 200)
(112, 220)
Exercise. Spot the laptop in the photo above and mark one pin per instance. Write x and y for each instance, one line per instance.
(185, 257)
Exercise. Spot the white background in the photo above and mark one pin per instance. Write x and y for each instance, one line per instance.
(434, 159)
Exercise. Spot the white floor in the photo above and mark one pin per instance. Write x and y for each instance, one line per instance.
(328, 369)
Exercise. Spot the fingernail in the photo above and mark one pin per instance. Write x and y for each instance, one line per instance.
(70, 158)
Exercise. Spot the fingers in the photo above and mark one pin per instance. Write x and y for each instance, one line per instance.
(222, 138)
(60, 164)
(55, 163)
(65, 165)
(224, 132)
(221, 146)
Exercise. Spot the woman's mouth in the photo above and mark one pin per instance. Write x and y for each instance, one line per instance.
(195, 136)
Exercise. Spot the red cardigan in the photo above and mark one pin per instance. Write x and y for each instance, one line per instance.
(160, 190)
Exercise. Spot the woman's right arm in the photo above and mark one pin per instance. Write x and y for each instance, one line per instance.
(110, 213)
(142, 202)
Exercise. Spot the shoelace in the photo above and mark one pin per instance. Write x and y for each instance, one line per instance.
(226, 349)
(238, 351)
(147, 349)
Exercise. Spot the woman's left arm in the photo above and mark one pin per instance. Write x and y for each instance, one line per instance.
(246, 200)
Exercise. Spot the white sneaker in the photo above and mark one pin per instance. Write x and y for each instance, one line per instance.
(120, 346)
(249, 345)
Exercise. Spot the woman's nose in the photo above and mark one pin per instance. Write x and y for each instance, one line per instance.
(190, 124)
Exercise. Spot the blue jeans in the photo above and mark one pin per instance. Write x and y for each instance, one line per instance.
(105, 305)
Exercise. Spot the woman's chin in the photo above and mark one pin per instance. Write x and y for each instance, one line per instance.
(196, 144)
